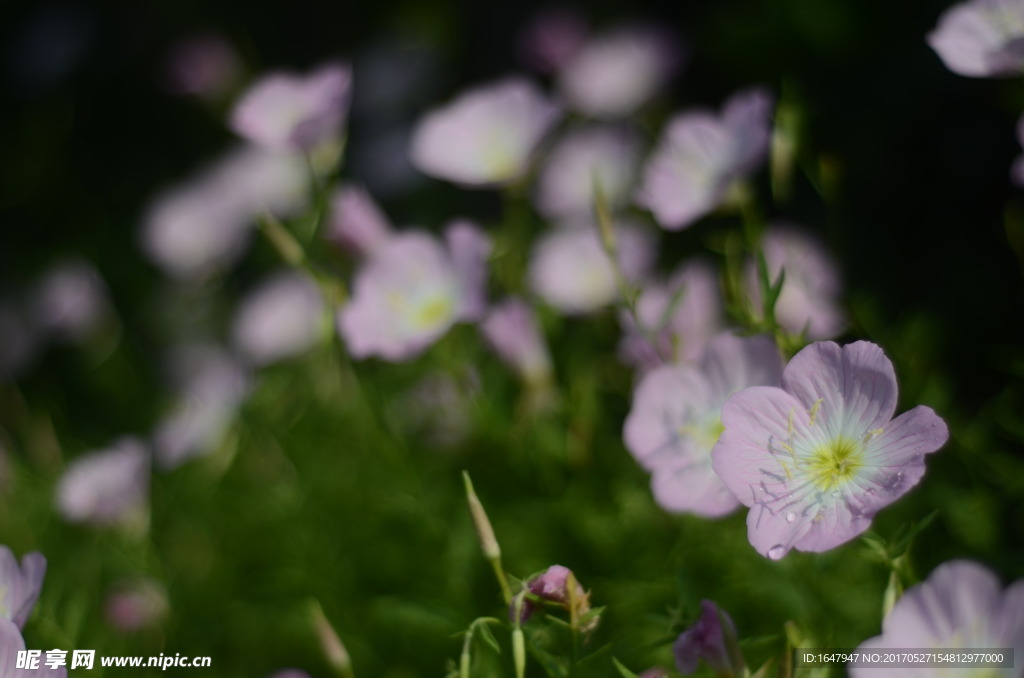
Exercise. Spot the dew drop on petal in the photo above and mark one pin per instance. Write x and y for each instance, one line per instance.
(776, 551)
(790, 516)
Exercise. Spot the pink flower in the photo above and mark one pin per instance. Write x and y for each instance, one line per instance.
(286, 110)
(961, 606)
(701, 156)
(412, 290)
(134, 605)
(211, 386)
(613, 75)
(486, 136)
(810, 292)
(280, 319)
(71, 302)
(204, 65)
(552, 586)
(108, 487)
(203, 225)
(357, 223)
(511, 330)
(570, 269)
(679, 334)
(981, 38)
(604, 154)
(20, 586)
(11, 643)
(676, 419)
(817, 458)
(552, 38)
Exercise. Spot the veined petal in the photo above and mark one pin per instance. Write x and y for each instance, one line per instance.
(758, 421)
(836, 522)
(958, 595)
(907, 438)
(771, 534)
(852, 388)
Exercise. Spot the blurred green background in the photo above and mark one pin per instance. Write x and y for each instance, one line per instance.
(334, 486)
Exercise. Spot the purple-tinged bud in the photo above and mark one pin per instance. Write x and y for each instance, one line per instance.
(713, 639)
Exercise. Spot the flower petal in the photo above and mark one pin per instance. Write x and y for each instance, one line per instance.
(732, 363)
(755, 419)
(855, 385)
(692, 488)
(666, 399)
(33, 570)
(957, 596)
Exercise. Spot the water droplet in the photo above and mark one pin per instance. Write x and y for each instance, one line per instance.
(870, 491)
(790, 516)
(776, 551)
(835, 493)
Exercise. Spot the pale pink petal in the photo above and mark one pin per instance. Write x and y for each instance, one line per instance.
(285, 110)
(980, 38)
(855, 384)
(692, 488)
(613, 75)
(666, 399)
(469, 249)
(512, 330)
(732, 363)
(281, 318)
(595, 155)
(756, 419)
(357, 223)
(486, 136)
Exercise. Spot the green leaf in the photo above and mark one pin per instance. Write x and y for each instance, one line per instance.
(623, 671)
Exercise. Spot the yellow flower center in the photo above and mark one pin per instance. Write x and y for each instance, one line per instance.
(835, 462)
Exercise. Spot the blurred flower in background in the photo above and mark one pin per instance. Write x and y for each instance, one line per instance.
(357, 224)
(674, 319)
(109, 487)
(210, 386)
(584, 158)
(135, 604)
(71, 302)
(486, 136)
(511, 329)
(284, 110)
(612, 75)
(961, 606)
(817, 458)
(20, 343)
(676, 419)
(203, 65)
(552, 38)
(809, 301)
(981, 38)
(412, 290)
(701, 156)
(570, 270)
(20, 585)
(281, 318)
(203, 225)
(437, 410)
